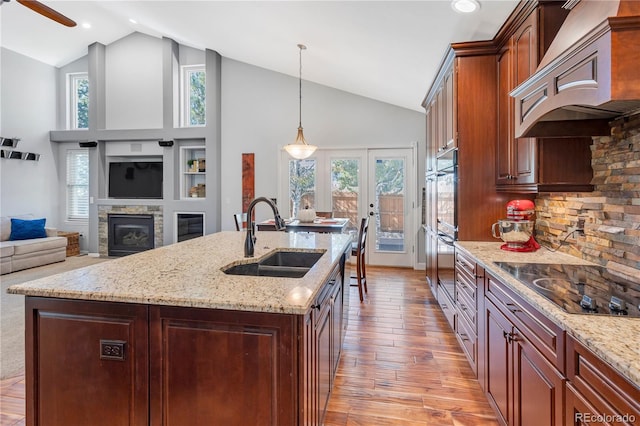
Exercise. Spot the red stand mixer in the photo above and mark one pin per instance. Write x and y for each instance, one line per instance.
(517, 229)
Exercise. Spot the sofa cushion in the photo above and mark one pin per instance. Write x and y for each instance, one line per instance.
(5, 225)
(6, 249)
(22, 229)
(30, 246)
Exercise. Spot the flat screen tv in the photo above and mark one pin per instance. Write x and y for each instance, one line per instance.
(139, 179)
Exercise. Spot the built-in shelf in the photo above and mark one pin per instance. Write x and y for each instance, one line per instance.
(193, 172)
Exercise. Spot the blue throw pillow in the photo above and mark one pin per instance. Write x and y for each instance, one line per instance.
(22, 229)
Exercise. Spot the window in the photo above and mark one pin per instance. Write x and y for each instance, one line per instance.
(302, 185)
(77, 184)
(78, 85)
(193, 95)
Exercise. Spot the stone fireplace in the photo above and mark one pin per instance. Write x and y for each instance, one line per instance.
(129, 234)
(126, 230)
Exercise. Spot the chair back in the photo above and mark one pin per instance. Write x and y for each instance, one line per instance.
(241, 221)
(362, 234)
(326, 215)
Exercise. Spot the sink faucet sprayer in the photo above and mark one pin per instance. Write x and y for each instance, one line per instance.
(250, 240)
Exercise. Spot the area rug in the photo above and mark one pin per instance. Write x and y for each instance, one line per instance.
(12, 310)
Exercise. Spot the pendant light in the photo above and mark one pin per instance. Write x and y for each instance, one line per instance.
(300, 149)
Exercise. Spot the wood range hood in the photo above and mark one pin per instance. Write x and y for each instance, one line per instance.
(589, 75)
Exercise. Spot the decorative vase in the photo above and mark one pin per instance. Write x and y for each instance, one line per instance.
(306, 215)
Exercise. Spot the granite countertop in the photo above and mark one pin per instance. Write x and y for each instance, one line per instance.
(189, 274)
(615, 339)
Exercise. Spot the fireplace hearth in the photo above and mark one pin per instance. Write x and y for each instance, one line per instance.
(129, 234)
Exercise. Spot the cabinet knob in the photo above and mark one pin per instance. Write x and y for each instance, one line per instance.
(315, 307)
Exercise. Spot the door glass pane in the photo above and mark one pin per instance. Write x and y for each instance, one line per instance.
(302, 185)
(345, 188)
(390, 193)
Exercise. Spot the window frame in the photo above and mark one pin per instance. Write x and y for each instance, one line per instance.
(69, 183)
(185, 94)
(72, 99)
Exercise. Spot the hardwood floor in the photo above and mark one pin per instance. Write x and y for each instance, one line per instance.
(401, 363)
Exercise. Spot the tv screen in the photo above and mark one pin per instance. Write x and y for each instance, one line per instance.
(141, 179)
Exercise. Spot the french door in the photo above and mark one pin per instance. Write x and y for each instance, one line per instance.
(378, 183)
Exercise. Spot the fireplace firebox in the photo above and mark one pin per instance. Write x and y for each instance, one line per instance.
(129, 234)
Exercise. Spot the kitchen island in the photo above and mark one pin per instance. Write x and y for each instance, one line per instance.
(166, 337)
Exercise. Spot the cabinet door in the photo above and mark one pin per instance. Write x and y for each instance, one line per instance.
(336, 327)
(92, 353)
(324, 358)
(579, 411)
(441, 114)
(217, 367)
(498, 374)
(432, 148)
(505, 120)
(431, 252)
(449, 111)
(524, 47)
(538, 387)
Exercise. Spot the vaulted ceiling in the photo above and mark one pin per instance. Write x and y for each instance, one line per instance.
(385, 50)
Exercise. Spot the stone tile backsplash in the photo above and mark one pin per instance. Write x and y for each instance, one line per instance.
(611, 211)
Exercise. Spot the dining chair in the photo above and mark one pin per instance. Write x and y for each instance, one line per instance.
(241, 221)
(358, 250)
(325, 215)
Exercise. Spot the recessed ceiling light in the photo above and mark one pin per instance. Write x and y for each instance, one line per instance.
(133, 21)
(465, 6)
(86, 25)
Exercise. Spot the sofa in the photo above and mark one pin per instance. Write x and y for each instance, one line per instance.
(19, 254)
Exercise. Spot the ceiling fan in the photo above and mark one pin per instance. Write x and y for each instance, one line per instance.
(43, 10)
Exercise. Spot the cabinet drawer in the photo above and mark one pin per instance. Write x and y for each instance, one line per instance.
(467, 307)
(463, 284)
(468, 340)
(465, 265)
(603, 387)
(545, 336)
(448, 307)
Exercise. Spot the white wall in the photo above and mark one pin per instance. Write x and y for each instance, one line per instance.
(28, 110)
(260, 115)
(133, 80)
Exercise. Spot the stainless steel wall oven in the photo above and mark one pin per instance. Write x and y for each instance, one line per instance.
(447, 219)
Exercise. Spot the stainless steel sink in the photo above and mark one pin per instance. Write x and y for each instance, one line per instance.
(286, 264)
(298, 259)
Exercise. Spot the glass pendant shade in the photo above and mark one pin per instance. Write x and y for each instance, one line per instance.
(300, 149)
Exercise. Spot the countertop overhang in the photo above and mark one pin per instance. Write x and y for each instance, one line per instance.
(189, 274)
(615, 339)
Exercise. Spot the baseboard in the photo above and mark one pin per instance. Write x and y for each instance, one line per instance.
(93, 254)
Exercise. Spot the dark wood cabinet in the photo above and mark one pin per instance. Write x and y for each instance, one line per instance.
(523, 386)
(132, 364)
(596, 393)
(217, 367)
(466, 292)
(530, 165)
(90, 360)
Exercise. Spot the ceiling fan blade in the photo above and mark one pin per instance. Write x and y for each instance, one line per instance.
(43, 10)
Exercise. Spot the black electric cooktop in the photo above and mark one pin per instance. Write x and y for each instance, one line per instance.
(579, 289)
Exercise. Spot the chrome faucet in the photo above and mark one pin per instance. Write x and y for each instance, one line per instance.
(250, 240)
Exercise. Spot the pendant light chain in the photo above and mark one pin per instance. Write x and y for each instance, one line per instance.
(301, 46)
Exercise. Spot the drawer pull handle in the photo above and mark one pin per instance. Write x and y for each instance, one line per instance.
(511, 337)
(464, 337)
(513, 308)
